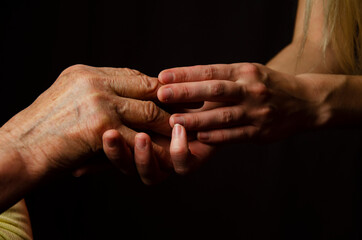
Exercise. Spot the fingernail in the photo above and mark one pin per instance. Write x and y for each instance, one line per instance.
(111, 142)
(177, 130)
(167, 77)
(166, 94)
(178, 120)
(140, 143)
(202, 136)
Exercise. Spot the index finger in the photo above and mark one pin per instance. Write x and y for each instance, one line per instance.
(195, 73)
(131, 83)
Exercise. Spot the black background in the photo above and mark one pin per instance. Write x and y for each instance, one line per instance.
(306, 187)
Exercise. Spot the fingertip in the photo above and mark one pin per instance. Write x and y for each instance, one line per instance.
(111, 138)
(143, 153)
(179, 150)
(177, 130)
(171, 121)
(164, 94)
(166, 76)
(145, 163)
(142, 140)
(177, 119)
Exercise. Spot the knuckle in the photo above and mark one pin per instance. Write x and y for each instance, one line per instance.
(151, 111)
(96, 99)
(133, 83)
(131, 72)
(247, 134)
(79, 74)
(194, 122)
(150, 85)
(208, 72)
(103, 121)
(226, 116)
(182, 74)
(146, 84)
(223, 136)
(218, 136)
(217, 89)
(185, 92)
(260, 91)
(250, 68)
(74, 68)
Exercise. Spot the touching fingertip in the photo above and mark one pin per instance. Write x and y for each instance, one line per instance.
(177, 130)
(203, 136)
(178, 120)
(111, 142)
(111, 138)
(140, 143)
(166, 77)
(165, 94)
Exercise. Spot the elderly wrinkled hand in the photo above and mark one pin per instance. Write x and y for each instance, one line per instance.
(66, 124)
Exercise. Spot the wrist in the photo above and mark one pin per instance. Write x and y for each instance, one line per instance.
(17, 176)
(23, 158)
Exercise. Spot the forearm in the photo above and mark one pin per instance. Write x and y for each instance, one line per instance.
(338, 98)
(293, 60)
(17, 176)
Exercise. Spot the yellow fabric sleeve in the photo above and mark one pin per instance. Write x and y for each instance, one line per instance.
(15, 223)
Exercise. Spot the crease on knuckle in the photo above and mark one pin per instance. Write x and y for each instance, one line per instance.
(123, 107)
(217, 89)
(151, 111)
(226, 116)
(148, 84)
(208, 72)
(186, 93)
(194, 122)
(131, 72)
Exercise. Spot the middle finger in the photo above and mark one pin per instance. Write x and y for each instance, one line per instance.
(214, 90)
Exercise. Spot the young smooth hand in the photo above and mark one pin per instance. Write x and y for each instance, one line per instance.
(243, 101)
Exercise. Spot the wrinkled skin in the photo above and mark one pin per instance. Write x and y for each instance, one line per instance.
(77, 115)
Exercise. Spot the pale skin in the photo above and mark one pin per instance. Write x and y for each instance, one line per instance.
(254, 102)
